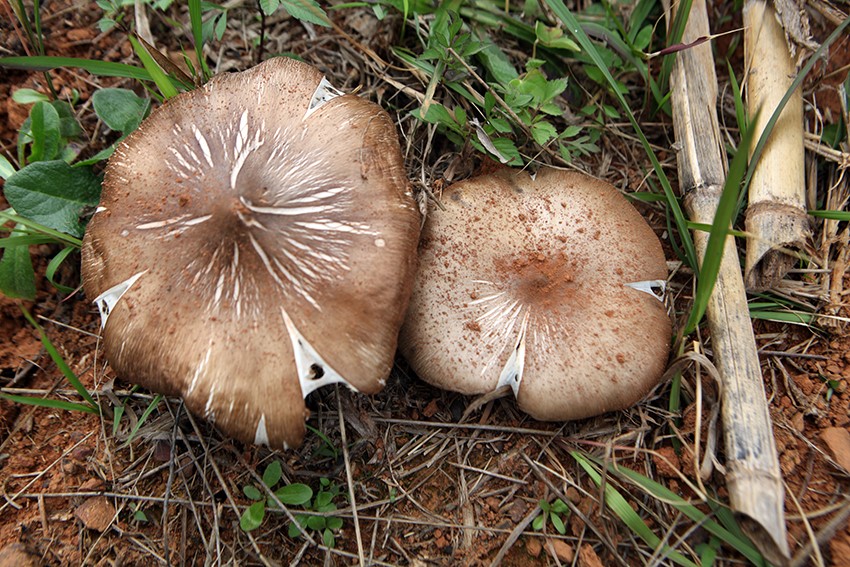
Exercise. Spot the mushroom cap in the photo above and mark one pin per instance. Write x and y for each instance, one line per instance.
(256, 239)
(526, 282)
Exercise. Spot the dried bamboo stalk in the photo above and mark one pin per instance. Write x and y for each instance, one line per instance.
(753, 477)
(776, 216)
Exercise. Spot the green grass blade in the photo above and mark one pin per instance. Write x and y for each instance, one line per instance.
(49, 403)
(195, 14)
(621, 507)
(723, 217)
(60, 362)
(54, 264)
(832, 215)
(56, 235)
(13, 241)
(148, 410)
(162, 81)
(100, 68)
(572, 25)
(660, 492)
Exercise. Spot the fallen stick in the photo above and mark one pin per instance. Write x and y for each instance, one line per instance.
(753, 478)
(776, 217)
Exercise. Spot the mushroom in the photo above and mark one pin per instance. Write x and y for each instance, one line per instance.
(552, 285)
(256, 240)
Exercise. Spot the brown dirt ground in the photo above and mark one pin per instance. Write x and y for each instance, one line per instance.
(430, 489)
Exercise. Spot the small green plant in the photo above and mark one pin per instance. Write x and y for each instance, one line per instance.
(296, 494)
(556, 512)
(324, 504)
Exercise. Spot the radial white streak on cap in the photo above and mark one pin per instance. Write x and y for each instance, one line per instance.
(486, 141)
(323, 93)
(262, 436)
(305, 358)
(106, 301)
(512, 372)
(650, 287)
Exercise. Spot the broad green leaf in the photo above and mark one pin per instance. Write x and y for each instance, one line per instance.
(497, 63)
(17, 277)
(296, 494)
(253, 516)
(68, 125)
(29, 96)
(542, 132)
(272, 474)
(334, 523)
(252, 492)
(328, 538)
(558, 524)
(120, 109)
(306, 11)
(53, 194)
(44, 129)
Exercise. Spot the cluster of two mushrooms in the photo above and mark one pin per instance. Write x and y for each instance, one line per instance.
(257, 239)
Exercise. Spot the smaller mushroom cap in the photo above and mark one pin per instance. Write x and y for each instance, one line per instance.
(255, 240)
(548, 284)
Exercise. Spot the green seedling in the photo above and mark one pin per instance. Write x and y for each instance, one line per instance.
(556, 512)
(323, 503)
(290, 495)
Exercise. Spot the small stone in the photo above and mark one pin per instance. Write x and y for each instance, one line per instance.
(587, 557)
(560, 549)
(838, 441)
(96, 513)
(533, 546)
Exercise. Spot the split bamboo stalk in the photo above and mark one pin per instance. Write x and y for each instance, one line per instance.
(776, 217)
(753, 477)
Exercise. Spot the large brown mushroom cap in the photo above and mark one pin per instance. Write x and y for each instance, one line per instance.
(544, 284)
(262, 232)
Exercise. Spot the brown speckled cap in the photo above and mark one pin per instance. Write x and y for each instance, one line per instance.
(549, 285)
(255, 240)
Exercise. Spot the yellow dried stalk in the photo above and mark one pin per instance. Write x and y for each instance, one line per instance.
(776, 217)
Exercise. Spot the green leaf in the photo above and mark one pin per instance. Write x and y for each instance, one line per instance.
(295, 494)
(316, 522)
(542, 132)
(120, 109)
(220, 26)
(558, 524)
(538, 522)
(497, 63)
(269, 6)
(49, 403)
(328, 538)
(54, 264)
(272, 474)
(44, 129)
(53, 194)
(29, 96)
(307, 11)
(334, 523)
(68, 125)
(163, 81)
(252, 492)
(145, 414)
(252, 518)
(101, 68)
(17, 277)
(295, 528)
(323, 499)
(6, 168)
